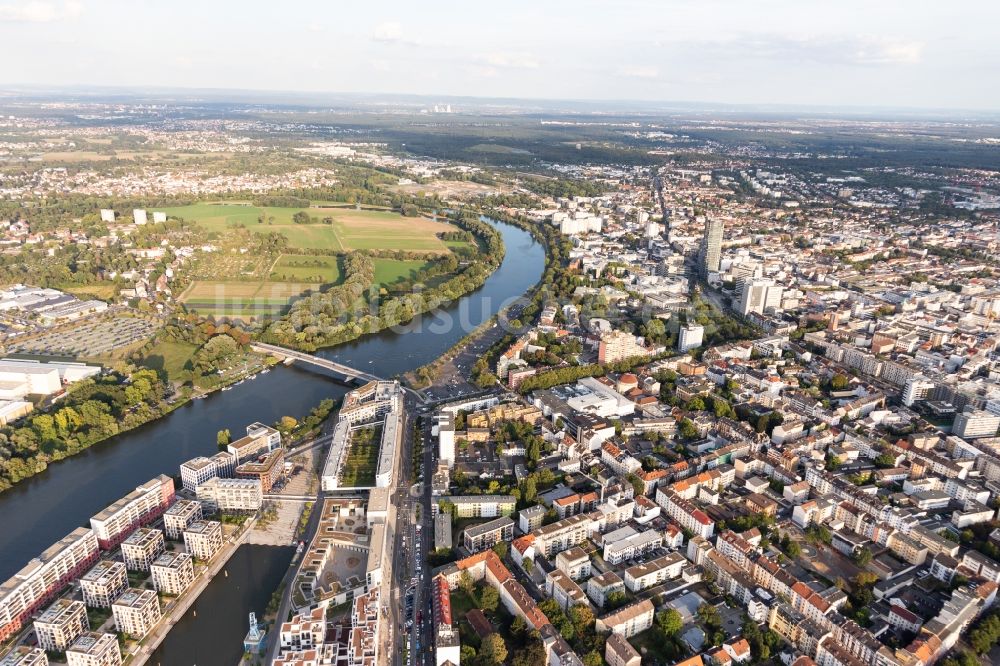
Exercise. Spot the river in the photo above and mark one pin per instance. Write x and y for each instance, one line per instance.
(43, 509)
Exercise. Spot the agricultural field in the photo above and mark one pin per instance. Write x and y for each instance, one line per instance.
(389, 271)
(349, 229)
(305, 268)
(242, 299)
(238, 284)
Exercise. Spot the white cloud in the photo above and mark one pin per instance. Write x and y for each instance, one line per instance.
(512, 60)
(640, 72)
(863, 50)
(390, 31)
(40, 12)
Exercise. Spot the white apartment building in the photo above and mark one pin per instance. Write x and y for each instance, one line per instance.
(136, 612)
(690, 337)
(481, 506)
(203, 539)
(230, 495)
(653, 573)
(139, 507)
(632, 546)
(564, 590)
(760, 296)
(198, 470)
(685, 513)
(563, 534)
(179, 516)
(976, 423)
(94, 649)
(260, 439)
(22, 655)
(574, 562)
(141, 548)
(600, 587)
(628, 621)
(172, 573)
(103, 583)
(61, 624)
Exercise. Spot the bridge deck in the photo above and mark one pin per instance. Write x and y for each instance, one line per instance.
(346, 370)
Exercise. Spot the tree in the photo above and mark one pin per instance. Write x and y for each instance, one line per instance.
(488, 599)
(669, 622)
(466, 584)
(863, 556)
(638, 487)
(301, 217)
(528, 565)
(582, 618)
(467, 654)
(500, 549)
(287, 423)
(687, 429)
(222, 438)
(493, 650)
(839, 382)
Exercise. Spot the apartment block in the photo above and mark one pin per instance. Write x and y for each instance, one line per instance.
(618, 652)
(203, 539)
(172, 573)
(488, 534)
(685, 513)
(141, 548)
(94, 649)
(574, 562)
(177, 518)
(61, 624)
(600, 587)
(44, 577)
(654, 572)
(260, 439)
(531, 518)
(267, 469)
(628, 621)
(103, 583)
(23, 655)
(563, 534)
(140, 507)
(198, 470)
(631, 546)
(482, 506)
(136, 612)
(564, 590)
(230, 495)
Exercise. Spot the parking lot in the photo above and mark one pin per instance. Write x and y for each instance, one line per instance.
(89, 339)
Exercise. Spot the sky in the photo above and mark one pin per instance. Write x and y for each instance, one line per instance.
(827, 53)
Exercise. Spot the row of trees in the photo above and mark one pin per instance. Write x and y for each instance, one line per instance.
(93, 410)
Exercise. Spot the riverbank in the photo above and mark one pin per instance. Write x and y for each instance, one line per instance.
(53, 503)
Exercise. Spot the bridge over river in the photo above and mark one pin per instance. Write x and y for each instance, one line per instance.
(349, 373)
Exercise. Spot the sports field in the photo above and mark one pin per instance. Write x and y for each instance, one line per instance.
(349, 229)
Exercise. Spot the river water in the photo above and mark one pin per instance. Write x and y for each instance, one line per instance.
(43, 509)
